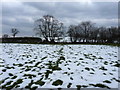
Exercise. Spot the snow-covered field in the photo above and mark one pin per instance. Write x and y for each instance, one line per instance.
(58, 66)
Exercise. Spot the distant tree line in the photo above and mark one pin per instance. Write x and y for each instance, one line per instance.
(51, 30)
(88, 32)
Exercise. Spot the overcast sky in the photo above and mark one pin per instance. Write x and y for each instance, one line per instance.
(22, 15)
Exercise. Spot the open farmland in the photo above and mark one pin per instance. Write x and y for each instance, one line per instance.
(58, 66)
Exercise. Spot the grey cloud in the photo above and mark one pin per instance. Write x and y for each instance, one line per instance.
(71, 9)
(23, 14)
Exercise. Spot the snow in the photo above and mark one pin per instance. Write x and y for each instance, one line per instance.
(80, 64)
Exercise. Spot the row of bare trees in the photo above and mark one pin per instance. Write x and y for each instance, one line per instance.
(88, 32)
(51, 29)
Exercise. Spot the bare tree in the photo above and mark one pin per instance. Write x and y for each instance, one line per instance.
(48, 27)
(73, 33)
(82, 31)
(86, 27)
(14, 32)
(103, 32)
(112, 34)
(94, 35)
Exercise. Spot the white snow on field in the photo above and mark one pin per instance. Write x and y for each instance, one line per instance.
(39, 66)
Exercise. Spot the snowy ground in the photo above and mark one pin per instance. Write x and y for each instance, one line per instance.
(54, 66)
